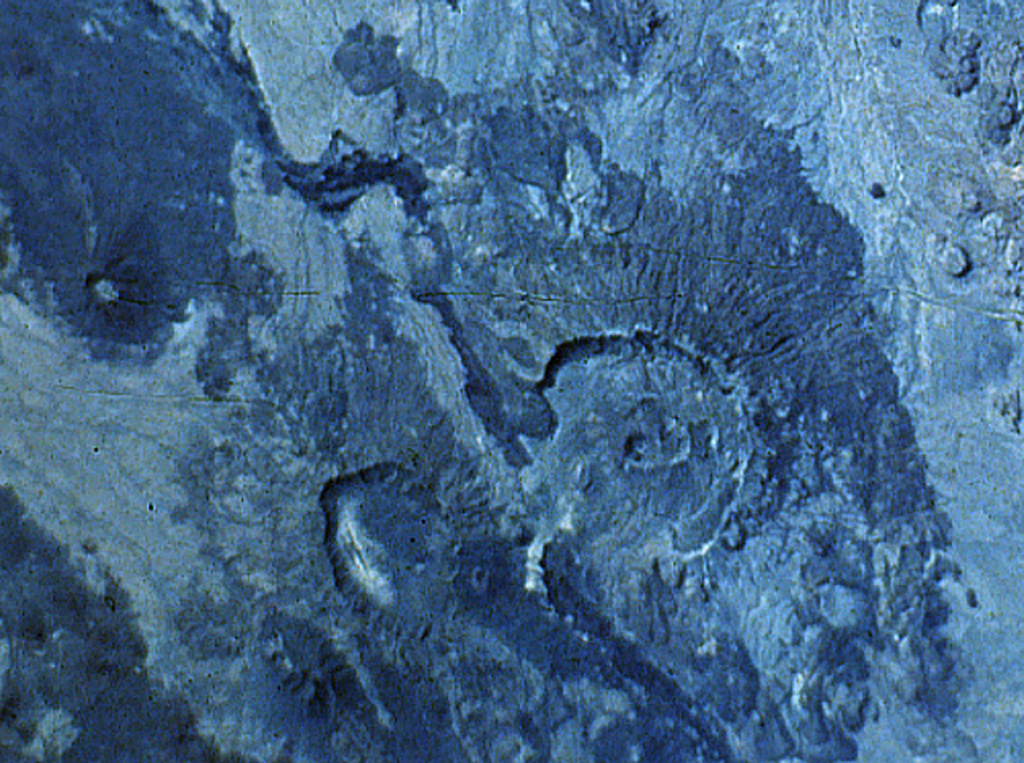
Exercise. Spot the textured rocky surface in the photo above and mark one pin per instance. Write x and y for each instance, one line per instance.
(510, 381)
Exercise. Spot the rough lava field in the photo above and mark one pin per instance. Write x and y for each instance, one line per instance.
(465, 381)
